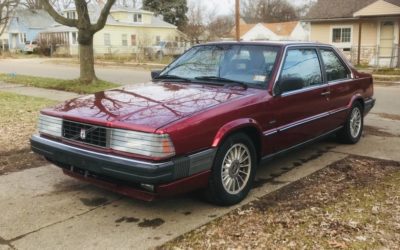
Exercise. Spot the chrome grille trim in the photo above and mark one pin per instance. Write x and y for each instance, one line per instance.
(94, 135)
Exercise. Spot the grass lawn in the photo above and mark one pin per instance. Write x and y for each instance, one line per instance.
(352, 204)
(387, 71)
(58, 84)
(18, 118)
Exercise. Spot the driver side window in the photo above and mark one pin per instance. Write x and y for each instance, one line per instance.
(301, 69)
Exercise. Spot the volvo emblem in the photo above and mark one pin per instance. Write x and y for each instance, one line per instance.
(83, 134)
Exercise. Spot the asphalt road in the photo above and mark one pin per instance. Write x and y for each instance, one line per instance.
(43, 209)
(47, 68)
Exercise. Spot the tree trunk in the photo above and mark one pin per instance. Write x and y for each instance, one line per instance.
(86, 57)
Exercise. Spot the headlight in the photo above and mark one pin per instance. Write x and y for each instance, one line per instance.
(151, 145)
(50, 125)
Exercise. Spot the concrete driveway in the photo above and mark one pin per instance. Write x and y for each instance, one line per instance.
(42, 209)
(48, 68)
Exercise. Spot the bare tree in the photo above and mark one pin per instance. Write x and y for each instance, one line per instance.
(33, 4)
(195, 26)
(37, 4)
(86, 31)
(254, 11)
(129, 3)
(304, 8)
(6, 9)
(220, 27)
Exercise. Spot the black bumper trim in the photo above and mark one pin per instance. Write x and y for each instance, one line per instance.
(121, 168)
(368, 105)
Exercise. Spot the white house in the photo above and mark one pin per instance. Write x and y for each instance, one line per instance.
(275, 31)
(126, 31)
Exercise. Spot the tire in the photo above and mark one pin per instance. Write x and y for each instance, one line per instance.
(354, 126)
(238, 176)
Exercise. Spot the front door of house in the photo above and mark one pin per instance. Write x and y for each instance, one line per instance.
(14, 40)
(386, 40)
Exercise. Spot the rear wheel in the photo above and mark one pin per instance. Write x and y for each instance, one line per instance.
(233, 171)
(353, 128)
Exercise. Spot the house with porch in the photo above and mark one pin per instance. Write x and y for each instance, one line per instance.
(127, 31)
(24, 26)
(367, 31)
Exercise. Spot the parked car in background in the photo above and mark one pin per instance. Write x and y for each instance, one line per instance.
(30, 46)
(164, 48)
(208, 120)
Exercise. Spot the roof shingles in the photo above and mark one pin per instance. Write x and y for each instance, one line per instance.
(336, 9)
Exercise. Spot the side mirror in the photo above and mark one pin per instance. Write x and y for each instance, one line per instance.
(155, 74)
(289, 84)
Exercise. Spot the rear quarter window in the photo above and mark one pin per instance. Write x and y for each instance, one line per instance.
(334, 67)
(302, 64)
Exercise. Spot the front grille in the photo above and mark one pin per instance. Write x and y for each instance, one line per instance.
(85, 133)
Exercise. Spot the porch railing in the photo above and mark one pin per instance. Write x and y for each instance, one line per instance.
(375, 56)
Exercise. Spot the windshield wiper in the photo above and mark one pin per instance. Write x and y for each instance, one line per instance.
(172, 77)
(222, 79)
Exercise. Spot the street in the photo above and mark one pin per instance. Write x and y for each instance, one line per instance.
(43, 209)
(46, 67)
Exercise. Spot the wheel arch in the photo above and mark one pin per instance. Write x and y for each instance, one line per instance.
(248, 126)
(357, 98)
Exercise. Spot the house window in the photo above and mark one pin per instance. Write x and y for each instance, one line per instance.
(133, 40)
(341, 35)
(22, 37)
(74, 37)
(107, 40)
(71, 14)
(124, 40)
(137, 18)
(158, 39)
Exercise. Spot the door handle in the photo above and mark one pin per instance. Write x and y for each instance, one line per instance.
(326, 93)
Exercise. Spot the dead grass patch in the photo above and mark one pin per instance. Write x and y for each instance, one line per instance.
(19, 160)
(18, 118)
(352, 204)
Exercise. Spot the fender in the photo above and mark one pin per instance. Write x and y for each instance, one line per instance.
(233, 126)
(356, 96)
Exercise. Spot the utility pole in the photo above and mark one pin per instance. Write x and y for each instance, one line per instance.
(237, 17)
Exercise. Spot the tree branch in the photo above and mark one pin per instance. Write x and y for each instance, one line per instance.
(57, 17)
(6, 10)
(103, 16)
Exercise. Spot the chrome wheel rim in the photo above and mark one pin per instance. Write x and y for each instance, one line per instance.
(355, 123)
(236, 168)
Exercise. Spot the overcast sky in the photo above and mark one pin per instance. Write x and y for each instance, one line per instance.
(227, 6)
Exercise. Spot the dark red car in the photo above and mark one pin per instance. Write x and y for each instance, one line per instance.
(208, 119)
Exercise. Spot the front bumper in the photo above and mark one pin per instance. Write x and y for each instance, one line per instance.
(122, 170)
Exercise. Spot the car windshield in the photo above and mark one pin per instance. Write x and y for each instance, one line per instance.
(248, 64)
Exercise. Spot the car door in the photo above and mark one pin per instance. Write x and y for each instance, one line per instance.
(338, 76)
(301, 114)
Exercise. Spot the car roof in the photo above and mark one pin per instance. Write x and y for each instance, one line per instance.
(270, 43)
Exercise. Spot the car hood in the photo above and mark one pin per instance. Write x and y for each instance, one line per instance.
(145, 107)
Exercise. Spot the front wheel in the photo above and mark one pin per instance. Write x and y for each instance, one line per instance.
(233, 171)
(353, 128)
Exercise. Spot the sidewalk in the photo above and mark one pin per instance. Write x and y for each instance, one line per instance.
(101, 62)
(51, 94)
